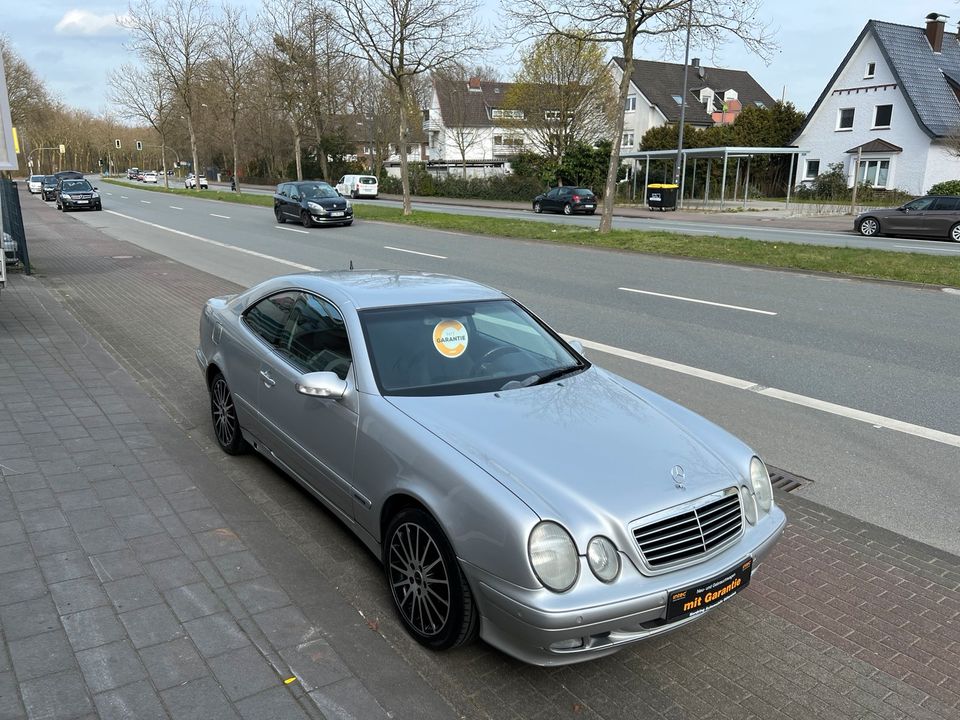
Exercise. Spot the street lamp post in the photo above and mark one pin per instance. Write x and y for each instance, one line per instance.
(683, 97)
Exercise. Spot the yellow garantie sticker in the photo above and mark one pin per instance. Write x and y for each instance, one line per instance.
(450, 338)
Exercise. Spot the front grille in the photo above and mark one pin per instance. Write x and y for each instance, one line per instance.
(691, 534)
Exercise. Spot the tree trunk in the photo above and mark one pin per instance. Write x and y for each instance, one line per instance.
(404, 168)
(236, 153)
(610, 187)
(296, 147)
(322, 153)
(193, 152)
(163, 162)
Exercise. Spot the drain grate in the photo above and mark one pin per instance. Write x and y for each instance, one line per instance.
(786, 481)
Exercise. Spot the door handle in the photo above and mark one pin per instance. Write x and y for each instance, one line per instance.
(267, 380)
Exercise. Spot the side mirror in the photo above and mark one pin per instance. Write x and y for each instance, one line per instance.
(577, 345)
(322, 384)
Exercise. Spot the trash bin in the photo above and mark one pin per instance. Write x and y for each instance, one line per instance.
(662, 196)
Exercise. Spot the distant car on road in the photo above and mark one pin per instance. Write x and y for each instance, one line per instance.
(77, 195)
(567, 200)
(357, 186)
(48, 188)
(191, 181)
(510, 488)
(150, 177)
(132, 173)
(311, 203)
(34, 184)
(935, 216)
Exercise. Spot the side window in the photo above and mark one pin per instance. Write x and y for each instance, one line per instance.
(269, 316)
(920, 204)
(554, 194)
(317, 340)
(294, 192)
(946, 203)
(340, 181)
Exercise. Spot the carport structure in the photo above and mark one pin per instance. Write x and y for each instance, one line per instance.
(724, 154)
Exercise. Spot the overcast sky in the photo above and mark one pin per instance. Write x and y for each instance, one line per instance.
(73, 45)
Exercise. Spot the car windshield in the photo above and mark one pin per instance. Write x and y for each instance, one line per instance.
(317, 190)
(35, 178)
(50, 180)
(75, 186)
(462, 348)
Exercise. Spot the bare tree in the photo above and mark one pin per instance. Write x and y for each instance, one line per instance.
(177, 37)
(143, 94)
(232, 64)
(621, 23)
(405, 39)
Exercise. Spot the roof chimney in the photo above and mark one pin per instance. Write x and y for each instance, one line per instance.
(934, 30)
(473, 84)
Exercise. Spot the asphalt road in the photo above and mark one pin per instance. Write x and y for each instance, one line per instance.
(849, 383)
(708, 225)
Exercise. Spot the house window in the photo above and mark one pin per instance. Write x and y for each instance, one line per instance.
(676, 99)
(813, 169)
(627, 139)
(881, 116)
(631, 103)
(760, 104)
(499, 114)
(551, 114)
(874, 172)
(845, 119)
(870, 71)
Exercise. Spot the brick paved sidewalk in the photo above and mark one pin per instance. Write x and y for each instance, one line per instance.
(844, 620)
(123, 591)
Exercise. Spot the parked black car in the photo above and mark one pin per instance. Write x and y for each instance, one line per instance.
(48, 188)
(77, 195)
(311, 203)
(567, 200)
(932, 216)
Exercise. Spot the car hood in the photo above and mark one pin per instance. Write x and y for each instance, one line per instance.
(589, 442)
(329, 203)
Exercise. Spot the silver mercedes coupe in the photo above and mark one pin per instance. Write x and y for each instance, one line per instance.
(510, 488)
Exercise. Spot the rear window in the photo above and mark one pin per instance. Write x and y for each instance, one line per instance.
(583, 191)
(367, 180)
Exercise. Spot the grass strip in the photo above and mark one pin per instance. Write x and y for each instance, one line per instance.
(222, 195)
(858, 262)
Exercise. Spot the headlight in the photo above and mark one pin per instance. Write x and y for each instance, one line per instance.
(604, 559)
(65, 196)
(316, 209)
(95, 195)
(349, 204)
(760, 479)
(553, 556)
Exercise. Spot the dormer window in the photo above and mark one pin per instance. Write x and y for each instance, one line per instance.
(870, 70)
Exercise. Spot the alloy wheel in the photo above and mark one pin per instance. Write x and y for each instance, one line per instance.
(419, 580)
(869, 227)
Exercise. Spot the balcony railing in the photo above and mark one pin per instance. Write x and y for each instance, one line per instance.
(507, 149)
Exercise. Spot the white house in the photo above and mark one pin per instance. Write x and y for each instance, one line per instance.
(715, 96)
(894, 103)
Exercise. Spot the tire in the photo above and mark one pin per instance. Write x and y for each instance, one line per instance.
(354, 194)
(869, 226)
(223, 413)
(537, 208)
(279, 215)
(348, 223)
(591, 212)
(98, 207)
(306, 220)
(567, 210)
(955, 233)
(451, 618)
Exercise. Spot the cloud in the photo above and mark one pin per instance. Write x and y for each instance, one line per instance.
(84, 22)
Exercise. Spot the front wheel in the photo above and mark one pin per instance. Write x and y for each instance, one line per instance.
(567, 210)
(223, 411)
(429, 591)
(869, 227)
(306, 220)
(279, 215)
(537, 208)
(955, 233)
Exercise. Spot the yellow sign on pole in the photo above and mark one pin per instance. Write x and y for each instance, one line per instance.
(16, 141)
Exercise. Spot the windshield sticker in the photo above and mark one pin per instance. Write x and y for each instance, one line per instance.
(450, 338)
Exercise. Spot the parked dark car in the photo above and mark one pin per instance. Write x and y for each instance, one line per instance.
(77, 195)
(311, 203)
(567, 200)
(48, 188)
(935, 216)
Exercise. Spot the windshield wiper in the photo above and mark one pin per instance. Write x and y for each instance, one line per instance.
(558, 373)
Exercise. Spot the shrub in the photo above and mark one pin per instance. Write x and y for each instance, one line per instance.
(949, 187)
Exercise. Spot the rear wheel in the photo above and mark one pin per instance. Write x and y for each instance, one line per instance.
(955, 233)
(869, 227)
(223, 411)
(279, 215)
(537, 208)
(429, 590)
(567, 210)
(306, 220)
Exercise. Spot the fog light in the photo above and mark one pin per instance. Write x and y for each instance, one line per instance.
(571, 644)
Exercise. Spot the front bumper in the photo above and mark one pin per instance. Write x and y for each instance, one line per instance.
(329, 220)
(80, 204)
(543, 628)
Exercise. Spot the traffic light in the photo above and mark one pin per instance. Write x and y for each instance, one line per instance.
(117, 143)
(139, 145)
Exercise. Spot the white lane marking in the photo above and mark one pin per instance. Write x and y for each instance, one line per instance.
(254, 253)
(109, 193)
(124, 197)
(225, 217)
(701, 302)
(414, 252)
(951, 291)
(174, 207)
(145, 202)
(879, 421)
(927, 247)
(281, 227)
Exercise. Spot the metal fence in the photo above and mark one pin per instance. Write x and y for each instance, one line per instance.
(13, 221)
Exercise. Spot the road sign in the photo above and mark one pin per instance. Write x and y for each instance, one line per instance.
(139, 145)
(117, 142)
(63, 148)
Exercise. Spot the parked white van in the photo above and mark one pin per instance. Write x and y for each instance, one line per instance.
(358, 186)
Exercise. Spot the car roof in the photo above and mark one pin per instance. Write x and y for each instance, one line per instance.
(366, 289)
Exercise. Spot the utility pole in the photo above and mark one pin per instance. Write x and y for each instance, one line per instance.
(683, 97)
(856, 172)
